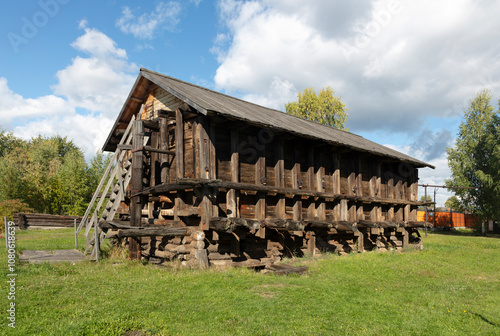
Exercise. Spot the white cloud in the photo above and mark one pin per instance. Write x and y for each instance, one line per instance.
(87, 131)
(401, 67)
(87, 98)
(165, 16)
(398, 61)
(14, 107)
(99, 82)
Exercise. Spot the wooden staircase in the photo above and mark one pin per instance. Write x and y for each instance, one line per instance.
(117, 174)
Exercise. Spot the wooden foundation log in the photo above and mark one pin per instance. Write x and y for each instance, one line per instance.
(230, 224)
(152, 231)
(284, 224)
(419, 224)
(367, 224)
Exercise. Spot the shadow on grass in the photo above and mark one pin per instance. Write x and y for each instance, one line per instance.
(486, 320)
(462, 232)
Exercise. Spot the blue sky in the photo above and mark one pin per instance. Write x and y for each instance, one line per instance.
(405, 69)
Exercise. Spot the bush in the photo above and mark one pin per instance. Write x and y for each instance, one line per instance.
(9, 207)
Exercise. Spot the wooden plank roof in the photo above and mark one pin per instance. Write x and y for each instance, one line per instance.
(210, 102)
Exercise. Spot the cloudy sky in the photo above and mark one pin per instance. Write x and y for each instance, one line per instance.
(405, 69)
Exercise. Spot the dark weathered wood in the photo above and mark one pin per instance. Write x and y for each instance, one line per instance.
(153, 231)
(419, 224)
(232, 194)
(152, 124)
(260, 179)
(279, 176)
(338, 225)
(284, 224)
(163, 145)
(136, 185)
(230, 224)
(189, 183)
(204, 147)
(367, 224)
(296, 185)
(179, 144)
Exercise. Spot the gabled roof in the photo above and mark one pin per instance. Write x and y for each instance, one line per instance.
(209, 102)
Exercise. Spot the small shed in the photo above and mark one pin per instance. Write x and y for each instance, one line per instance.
(208, 178)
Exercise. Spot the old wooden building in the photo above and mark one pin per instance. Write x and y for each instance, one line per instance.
(211, 179)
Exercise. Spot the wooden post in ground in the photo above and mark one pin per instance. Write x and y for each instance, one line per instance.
(6, 232)
(136, 186)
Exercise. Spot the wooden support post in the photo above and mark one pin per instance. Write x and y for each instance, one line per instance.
(164, 146)
(360, 241)
(407, 213)
(212, 174)
(154, 160)
(311, 210)
(204, 152)
(260, 178)
(279, 174)
(311, 243)
(297, 201)
(232, 194)
(359, 177)
(136, 186)
(343, 210)
(204, 148)
(179, 144)
(320, 185)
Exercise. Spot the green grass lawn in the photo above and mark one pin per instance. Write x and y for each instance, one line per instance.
(452, 287)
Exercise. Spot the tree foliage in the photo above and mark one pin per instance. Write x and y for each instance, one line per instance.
(323, 108)
(453, 203)
(49, 174)
(474, 160)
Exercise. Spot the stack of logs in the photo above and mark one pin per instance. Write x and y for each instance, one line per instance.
(26, 220)
(250, 243)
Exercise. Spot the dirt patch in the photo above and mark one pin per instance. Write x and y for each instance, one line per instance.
(266, 291)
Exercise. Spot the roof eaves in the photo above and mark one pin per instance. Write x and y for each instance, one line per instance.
(146, 73)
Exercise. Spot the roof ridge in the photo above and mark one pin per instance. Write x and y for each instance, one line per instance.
(248, 102)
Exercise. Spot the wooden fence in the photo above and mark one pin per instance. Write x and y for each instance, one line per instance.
(25, 220)
(450, 219)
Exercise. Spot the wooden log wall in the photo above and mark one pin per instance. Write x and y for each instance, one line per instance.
(259, 194)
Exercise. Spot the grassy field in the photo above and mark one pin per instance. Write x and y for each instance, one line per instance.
(452, 287)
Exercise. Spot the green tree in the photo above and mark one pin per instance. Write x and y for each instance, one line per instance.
(50, 175)
(323, 108)
(453, 203)
(8, 142)
(426, 200)
(474, 160)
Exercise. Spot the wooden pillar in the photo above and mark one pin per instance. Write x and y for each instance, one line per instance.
(204, 152)
(336, 183)
(260, 178)
(375, 183)
(179, 157)
(320, 185)
(164, 146)
(311, 211)
(279, 174)
(390, 194)
(212, 174)
(232, 194)
(359, 189)
(297, 204)
(343, 210)
(179, 143)
(136, 186)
